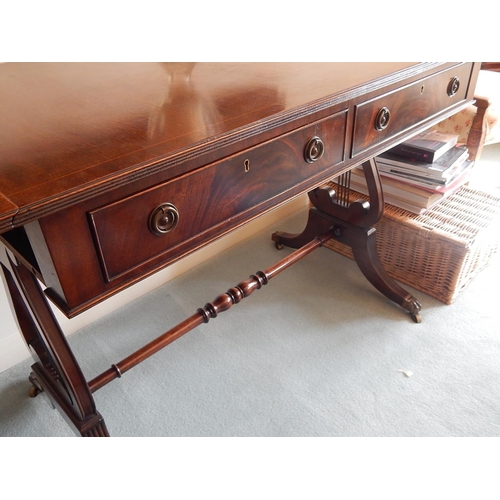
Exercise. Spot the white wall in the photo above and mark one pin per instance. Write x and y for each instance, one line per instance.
(12, 347)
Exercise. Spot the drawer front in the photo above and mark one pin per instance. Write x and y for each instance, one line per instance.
(384, 117)
(166, 221)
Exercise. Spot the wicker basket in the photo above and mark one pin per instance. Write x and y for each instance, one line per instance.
(440, 251)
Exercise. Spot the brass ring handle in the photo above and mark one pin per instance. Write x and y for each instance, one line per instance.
(163, 219)
(314, 150)
(453, 86)
(382, 119)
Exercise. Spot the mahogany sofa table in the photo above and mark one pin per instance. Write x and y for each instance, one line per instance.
(112, 171)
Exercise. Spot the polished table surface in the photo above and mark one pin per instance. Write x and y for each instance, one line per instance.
(111, 171)
(69, 129)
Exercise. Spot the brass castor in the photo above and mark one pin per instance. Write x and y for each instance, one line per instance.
(35, 388)
(34, 391)
(416, 317)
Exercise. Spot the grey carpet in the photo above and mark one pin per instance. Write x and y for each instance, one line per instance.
(317, 352)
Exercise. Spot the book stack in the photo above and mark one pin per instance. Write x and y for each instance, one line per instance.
(420, 172)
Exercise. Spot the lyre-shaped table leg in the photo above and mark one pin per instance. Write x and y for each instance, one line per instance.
(56, 371)
(353, 225)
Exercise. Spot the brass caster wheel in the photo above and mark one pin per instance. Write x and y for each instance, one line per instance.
(279, 246)
(35, 388)
(34, 391)
(416, 317)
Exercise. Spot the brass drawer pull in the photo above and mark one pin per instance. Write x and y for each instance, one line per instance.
(382, 119)
(163, 219)
(453, 86)
(314, 150)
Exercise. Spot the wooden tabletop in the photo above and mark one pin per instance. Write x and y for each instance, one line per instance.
(67, 129)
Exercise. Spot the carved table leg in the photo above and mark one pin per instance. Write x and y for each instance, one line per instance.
(353, 225)
(56, 371)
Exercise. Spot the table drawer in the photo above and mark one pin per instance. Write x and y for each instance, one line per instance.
(384, 117)
(161, 223)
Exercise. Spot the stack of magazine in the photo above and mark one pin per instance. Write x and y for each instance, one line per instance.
(419, 173)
